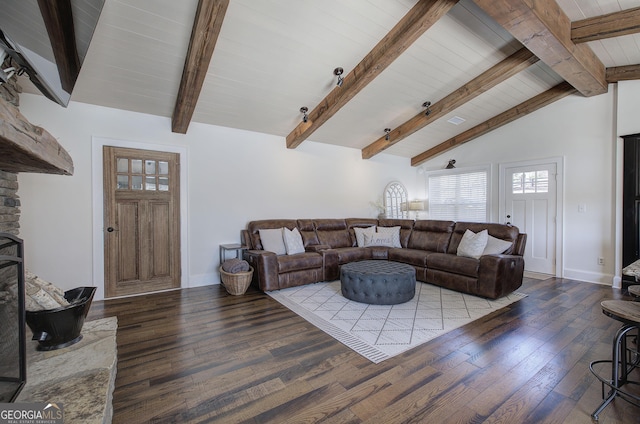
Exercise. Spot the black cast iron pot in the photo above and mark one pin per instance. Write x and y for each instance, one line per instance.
(61, 327)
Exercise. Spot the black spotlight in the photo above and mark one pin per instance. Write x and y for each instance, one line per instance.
(338, 72)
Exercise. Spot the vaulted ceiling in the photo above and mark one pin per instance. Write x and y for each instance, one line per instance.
(252, 65)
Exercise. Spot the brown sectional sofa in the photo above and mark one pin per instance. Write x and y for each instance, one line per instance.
(430, 246)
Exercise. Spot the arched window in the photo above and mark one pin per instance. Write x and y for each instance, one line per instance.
(395, 201)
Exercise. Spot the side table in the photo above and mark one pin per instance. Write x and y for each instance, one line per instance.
(237, 247)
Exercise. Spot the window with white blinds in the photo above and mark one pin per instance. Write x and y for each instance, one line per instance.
(459, 196)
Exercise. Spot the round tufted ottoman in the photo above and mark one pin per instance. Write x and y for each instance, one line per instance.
(378, 282)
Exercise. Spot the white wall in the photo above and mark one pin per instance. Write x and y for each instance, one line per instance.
(233, 177)
(628, 101)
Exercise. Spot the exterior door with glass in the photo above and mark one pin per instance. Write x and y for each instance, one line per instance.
(141, 221)
(530, 203)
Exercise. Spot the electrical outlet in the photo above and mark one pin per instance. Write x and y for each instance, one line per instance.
(600, 261)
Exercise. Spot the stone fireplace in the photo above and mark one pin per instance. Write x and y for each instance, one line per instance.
(9, 203)
(9, 223)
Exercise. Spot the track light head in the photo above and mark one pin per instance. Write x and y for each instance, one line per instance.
(387, 131)
(338, 72)
(304, 111)
(427, 104)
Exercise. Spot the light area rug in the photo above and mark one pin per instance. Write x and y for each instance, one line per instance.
(379, 332)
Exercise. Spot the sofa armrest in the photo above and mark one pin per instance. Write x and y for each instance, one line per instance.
(499, 275)
(245, 239)
(519, 244)
(265, 266)
(330, 265)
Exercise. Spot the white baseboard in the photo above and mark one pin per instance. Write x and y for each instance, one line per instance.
(203, 280)
(590, 277)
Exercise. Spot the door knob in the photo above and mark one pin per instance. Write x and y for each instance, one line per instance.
(110, 229)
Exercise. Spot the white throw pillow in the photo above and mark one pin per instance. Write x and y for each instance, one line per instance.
(273, 241)
(393, 232)
(496, 246)
(378, 239)
(360, 232)
(293, 241)
(472, 245)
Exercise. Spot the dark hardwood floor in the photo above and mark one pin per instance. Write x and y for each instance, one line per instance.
(200, 355)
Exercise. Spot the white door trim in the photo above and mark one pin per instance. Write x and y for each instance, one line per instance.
(559, 162)
(618, 217)
(98, 205)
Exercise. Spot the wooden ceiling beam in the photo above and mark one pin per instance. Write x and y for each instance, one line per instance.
(498, 73)
(544, 28)
(541, 100)
(58, 19)
(416, 22)
(204, 35)
(623, 73)
(614, 24)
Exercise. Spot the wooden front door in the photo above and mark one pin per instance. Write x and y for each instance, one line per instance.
(141, 221)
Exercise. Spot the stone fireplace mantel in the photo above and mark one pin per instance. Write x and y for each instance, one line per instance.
(25, 147)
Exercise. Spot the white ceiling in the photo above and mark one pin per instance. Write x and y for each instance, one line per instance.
(274, 56)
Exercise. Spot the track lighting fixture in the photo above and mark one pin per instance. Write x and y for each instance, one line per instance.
(304, 111)
(450, 164)
(387, 131)
(338, 72)
(427, 104)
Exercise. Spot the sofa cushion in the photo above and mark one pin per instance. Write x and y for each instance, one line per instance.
(333, 232)
(501, 231)
(431, 235)
(453, 264)
(472, 245)
(353, 223)
(406, 225)
(254, 228)
(292, 241)
(496, 246)
(379, 239)
(299, 262)
(353, 254)
(308, 232)
(335, 239)
(272, 240)
(360, 233)
(413, 257)
(393, 233)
